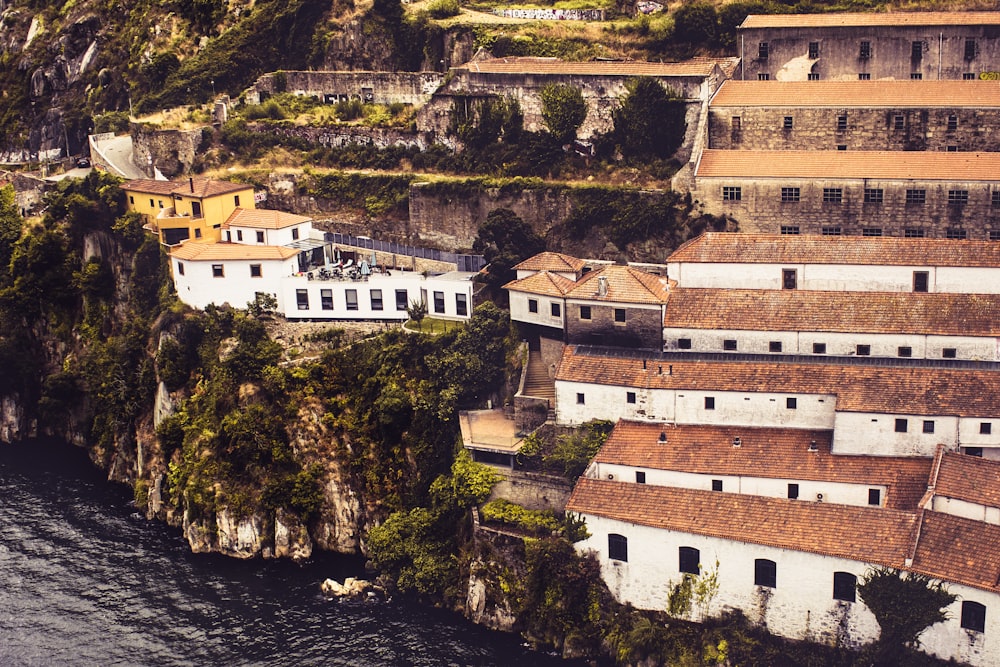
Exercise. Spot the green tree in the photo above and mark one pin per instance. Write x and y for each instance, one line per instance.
(696, 23)
(563, 110)
(479, 123)
(417, 311)
(505, 239)
(650, 123)
(10, 226)
(904, 606)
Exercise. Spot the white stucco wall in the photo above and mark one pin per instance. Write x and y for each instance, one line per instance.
(519, 310)
(875, 433)
(965, 509)
(197, 287)
(271, 236)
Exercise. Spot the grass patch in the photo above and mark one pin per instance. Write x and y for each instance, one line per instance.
(434, 326)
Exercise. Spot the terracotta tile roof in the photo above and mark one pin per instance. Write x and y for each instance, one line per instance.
(542, 283)
(263, 219)
(960, 550)
(195, 187)
(727, 247)
(551, 261)
(859, 94)
(205, 252)
(969, 478)
(873, 535)
(886, 19)
(857, 312)
(910, 390)
(626, 284)
(555, 66)
(844, 165)
(778, 453)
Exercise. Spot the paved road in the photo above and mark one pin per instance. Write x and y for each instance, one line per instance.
(118, 152)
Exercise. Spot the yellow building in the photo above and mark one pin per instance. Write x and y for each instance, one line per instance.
(191, 209)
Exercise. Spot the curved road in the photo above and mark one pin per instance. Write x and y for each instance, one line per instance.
(118, 152)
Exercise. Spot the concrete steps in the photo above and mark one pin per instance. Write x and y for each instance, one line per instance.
(537, 382)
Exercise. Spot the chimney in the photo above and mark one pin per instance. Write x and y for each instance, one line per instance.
(191, 184)
(663, 437)
(602, 285)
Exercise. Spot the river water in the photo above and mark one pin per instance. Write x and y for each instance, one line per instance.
(85, 580)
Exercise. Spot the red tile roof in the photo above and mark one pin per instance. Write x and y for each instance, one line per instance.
(205, 252)
(886, 19)
(626, 284)
(960, 550)
(845, 165)
(533, 65)
(910, 390)
(779, 453)
(859, 94)
(263, 219)
(542, 283)
(948, 314)
(551, 261)
(867, 534)
(194, 187)
(727, 247)
(969, 478)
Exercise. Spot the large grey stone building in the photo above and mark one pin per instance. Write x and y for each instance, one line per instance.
(899, 45)
(856, 115)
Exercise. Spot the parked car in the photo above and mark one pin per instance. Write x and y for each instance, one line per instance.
(83, 162)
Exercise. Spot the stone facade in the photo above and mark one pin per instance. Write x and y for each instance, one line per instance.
(760, 207)
(643, 327)
(375, 87)
(172, 152)
(794, 52)
(871, 129)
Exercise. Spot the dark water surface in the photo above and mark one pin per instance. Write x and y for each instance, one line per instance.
(84, 580)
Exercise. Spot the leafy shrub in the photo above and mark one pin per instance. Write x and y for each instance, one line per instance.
(442, 9)
(511, 514)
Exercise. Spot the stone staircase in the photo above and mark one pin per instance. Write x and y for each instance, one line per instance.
(537, 382)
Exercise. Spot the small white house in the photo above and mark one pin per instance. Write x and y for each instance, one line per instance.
(266, 227)
(218, 273)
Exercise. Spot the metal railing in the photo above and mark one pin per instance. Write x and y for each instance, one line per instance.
(462, 261)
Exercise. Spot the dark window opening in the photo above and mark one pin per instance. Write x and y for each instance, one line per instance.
(921, 281)
(787, 123)
(717, 485)
(584, 312)
(729, 345)
(841, 122)
(916, 196)
(640, 477)
(865, 51)
(302, 299)
(813, 50)
(260, 237)
(461, 304)
(683, 343)
(874, 195)
(792, 230)
(863, 350)
(985, 428)
(690, 560)
(218, 271)
(326, 299)
(833, 195)
(917, 50)
(874, 497)
(619, 315)
(790, 195)
(845, 586)
(581, 399)
(970, 49)
(709, 402)
(871, 231)
(791, 403)
(901, 425)
(763, 51)
(351, 297)
(898, 122)
(774, 346)
(819, 348)
(439, 302)
(402, 299)
(376, 297)
(904, 351)
(973, 616)
(255, 271)
(532, 305)
(949, 353)
(793, 491)
(555, 309)
(952, 123)
(618, 547)
(928, 426)
(630, 397)
(765, 573)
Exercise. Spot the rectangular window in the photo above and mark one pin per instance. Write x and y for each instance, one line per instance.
(731, 193)
(952, 149)
(952, 123)
(787, 123)
(763, 76)
(151, 203)
(970, 49)
(532, 305)
(180, 268)
(239, 234)
(813, 50)
(774, 346)
(956, 234)
(326, 299)
(874, 195)
(973, 616)
(968, 76)
(461, 304)
(864, 76)
(351, 297)
(916, 196)
(901, 425)
(197, 232)
(689, 560)
(439, 302)
(916, 76)
(260, 237)
(295, 233)
(791, 402)
(985, 428)
(904, 351)
(917, 50)
(217, 271)
(874, 497)
(717, 485)
(845, 586)
(793, 491)
(376, 297)
(640, 477)
(302, 299)
(790, 230)
(765, 573)
(729, 345)
(841, 147)
(921, 281)
(831, 231)
(898, 122)
(928, 426)
(581, 399)
(618, 547)
(710, 402)
(763, 51)
(236, 200)
(789, 278)
(255, 271)
(833, 195)
(871, 231)
(160, 202)
(949, 353)
(842, 122)
(402, 299)
(555, 309)
(813, 76)
(789, 194)
(958, 197)
(630, 397)
(913, 233)
(683, 343)
(994, 235)
(819, 348)
(584, 312)
(973, 451)
(995, 198)
(131, 200)
(865, 51)
(736, 123)
(863, 350)
(619, 315)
